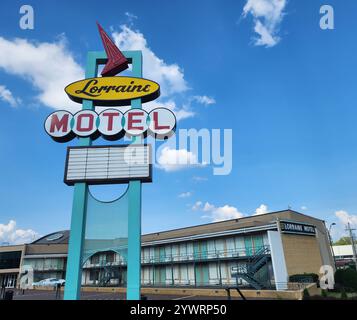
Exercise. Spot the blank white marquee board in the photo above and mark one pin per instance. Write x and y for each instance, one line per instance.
(108, 164)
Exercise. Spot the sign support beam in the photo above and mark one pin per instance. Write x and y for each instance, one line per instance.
(78, 220)
(134, 242)
(134, 218)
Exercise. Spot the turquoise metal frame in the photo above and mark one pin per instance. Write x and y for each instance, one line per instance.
(80, 195)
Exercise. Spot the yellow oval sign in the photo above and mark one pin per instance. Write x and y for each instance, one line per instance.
(113, 91)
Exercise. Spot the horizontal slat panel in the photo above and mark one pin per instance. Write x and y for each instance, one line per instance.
(106, 164)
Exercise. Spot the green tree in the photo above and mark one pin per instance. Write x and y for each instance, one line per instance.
(343, 241)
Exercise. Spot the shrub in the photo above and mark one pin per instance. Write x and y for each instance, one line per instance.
(305, 277)
(346, 279)
(305, 294)
(324, 293)
(343, 294)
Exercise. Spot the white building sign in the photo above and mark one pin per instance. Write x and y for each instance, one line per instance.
(108, 164)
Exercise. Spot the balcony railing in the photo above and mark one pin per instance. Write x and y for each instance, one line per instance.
(102, 264)
(202, 255)
(242, 253)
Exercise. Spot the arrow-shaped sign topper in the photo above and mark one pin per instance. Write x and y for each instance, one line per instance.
(116, 60)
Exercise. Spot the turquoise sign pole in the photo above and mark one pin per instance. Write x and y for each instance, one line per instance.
(134, 219)
(79, 206)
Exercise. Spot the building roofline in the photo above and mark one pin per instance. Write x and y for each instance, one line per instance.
(47, 235)
(231, 220)
(199, 225)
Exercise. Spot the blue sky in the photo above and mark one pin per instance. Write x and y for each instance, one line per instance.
(289, 97)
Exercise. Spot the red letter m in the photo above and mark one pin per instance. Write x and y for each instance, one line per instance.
(57, 125)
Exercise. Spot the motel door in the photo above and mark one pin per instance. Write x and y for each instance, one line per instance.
(253, 244)
(258, 242)
(160, 276)
(200, 250)
(248, 243)
(162, 254)
(201, 274)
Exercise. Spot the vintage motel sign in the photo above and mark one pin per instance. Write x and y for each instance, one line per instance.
(113, 91)
(87, 164)
(111, 124)
(116, 60)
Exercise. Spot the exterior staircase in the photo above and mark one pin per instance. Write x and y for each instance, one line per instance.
(249, 270)
(109, 271)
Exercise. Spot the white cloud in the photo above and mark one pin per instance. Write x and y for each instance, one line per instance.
(225, 212)
(7, 96)
(185, 194)
(197, 206)
(48, 67)
(262, 209)
(205, 100)
(180, 113)
(169, 76)
(267, 15)
(10, 234)
(345, 217)
(183, 113)
(173, 160)
(265, 37)
(215, 214)
(303, 208)
(208, 207)
(131, 16)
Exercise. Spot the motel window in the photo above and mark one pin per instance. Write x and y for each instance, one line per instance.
(258, 242)
(175, 252)
(184, 279)
(94, 275)
(152, 253)
(230, 245)
(48, 264)
(10, 260)
(224, 270)
(169, 273)
(190, 248)
(168, 253)
(94, 259)
(211, 248)
(220, 247)
(146, 254)
(110, 257)
(213, 271)
(265, 239)
(191, 274)
(183, 251)
(239, 244)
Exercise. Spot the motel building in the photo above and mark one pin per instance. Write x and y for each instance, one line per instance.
(258, 252)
